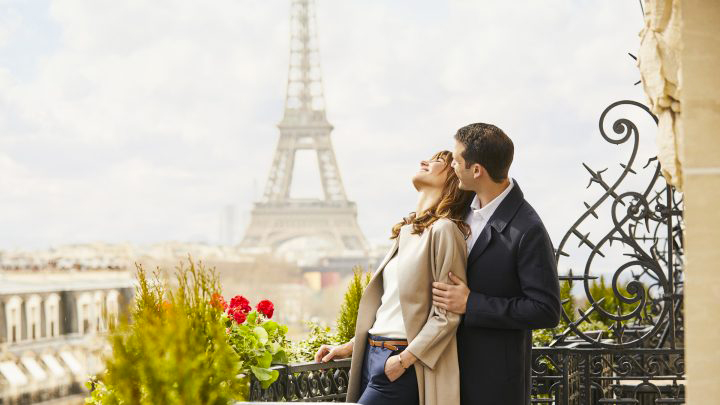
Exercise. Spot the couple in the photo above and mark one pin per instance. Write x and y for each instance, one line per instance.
(448, 315)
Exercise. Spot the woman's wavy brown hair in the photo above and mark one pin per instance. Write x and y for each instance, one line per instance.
(453, 204)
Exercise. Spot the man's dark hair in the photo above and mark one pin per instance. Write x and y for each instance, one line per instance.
(487, 145)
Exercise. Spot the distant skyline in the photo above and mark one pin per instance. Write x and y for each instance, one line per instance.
(142, 121)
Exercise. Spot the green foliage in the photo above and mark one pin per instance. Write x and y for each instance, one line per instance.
(259, 343)
(566, 294)
(175, 350)
(596, 321)
(304, 350)
(611, 303)
(351, 302)
(543, 337)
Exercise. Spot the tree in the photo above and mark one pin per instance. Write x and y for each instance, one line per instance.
(351, 303)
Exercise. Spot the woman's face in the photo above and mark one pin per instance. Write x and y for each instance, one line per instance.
(432, 173)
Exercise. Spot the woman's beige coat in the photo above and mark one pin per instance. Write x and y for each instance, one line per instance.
(421, 260)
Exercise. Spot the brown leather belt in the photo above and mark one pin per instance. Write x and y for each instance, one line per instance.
(388, 344)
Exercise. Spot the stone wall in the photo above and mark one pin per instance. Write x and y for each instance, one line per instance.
(680, 65)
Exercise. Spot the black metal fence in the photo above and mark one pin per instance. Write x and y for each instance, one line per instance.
(637, 356)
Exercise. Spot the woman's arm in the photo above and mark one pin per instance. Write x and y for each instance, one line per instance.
(449, 254)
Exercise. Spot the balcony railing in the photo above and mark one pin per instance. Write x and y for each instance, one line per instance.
(560, 376)
(639, 357)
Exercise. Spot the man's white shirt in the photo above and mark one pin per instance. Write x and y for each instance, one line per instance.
(478, 216)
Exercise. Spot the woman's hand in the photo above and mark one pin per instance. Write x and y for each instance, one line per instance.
(326, 353)
(394, 367)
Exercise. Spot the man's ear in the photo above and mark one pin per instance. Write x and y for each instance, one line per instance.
(477, 170)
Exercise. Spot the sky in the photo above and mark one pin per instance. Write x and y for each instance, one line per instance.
(139, 121)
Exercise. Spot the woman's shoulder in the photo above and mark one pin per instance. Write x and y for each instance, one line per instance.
(445, 226)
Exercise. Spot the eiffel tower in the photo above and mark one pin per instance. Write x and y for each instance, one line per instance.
(330, 223)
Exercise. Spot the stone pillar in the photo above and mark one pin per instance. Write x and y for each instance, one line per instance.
(700, 156)
(680, 66)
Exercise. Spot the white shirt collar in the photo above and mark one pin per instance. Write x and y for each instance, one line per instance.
(489, 208)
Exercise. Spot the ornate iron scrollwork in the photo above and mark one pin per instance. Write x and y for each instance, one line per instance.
(648, 225)
(639, 358)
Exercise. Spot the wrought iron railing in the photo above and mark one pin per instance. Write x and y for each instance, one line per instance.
(638, 358)
(320, 382)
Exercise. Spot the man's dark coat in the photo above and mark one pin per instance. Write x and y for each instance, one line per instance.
(512, 276)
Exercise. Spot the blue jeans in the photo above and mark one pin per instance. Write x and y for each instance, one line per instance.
(376, 388)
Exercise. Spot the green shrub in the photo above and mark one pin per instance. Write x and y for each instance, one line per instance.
(569, 307)
(175, 350)
(351, 302)
(304, 350)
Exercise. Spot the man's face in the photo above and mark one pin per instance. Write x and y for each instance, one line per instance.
(464, 174)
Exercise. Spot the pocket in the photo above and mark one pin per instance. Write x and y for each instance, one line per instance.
(380, 357)
(385, 364)
(392, 353)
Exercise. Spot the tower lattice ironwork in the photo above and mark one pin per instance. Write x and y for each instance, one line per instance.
(279, 218)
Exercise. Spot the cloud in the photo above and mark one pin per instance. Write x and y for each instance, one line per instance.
(139, 121)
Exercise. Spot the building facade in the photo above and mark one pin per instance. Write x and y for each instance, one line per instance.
(52, 336)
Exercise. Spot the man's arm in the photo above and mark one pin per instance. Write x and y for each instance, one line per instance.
(537, 308)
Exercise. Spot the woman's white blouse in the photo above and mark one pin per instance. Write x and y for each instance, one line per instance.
(388, 319)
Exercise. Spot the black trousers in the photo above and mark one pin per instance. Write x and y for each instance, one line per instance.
(376, 388)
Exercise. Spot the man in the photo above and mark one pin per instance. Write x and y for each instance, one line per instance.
(512, 285)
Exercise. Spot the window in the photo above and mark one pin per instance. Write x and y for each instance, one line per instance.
(14, 327)
(12, 314)
(32, 315)
(52, 315)
(98, 302)
(84, 317)
(112, 306)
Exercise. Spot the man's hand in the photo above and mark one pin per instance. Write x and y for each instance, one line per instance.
(326, 353)
(451, 297)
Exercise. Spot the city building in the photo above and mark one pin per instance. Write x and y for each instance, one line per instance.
(52, 335)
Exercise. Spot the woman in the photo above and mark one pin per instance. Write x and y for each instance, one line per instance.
(404, 350)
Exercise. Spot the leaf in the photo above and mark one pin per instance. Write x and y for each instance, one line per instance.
(265, 360)
(261, 334)
(265, 376)
(273, 347)
(261, 373)
(275, 375)
(270, 326)
(280, 357)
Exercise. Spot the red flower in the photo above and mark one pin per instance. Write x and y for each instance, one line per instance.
(266, 308)
(218, 302)
(240, 302)
(238, 315)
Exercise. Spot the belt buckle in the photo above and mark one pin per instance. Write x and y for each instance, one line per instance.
(389, 346)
